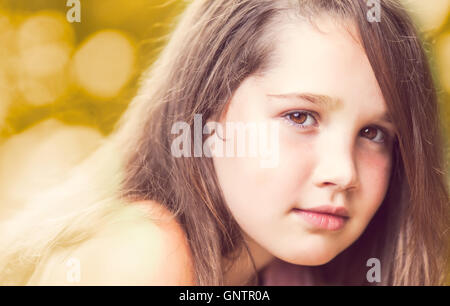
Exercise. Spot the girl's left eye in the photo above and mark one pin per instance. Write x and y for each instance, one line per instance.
(374, 134)
(301, 119)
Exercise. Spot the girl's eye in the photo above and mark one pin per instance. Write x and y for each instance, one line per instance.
(301, 119)
(374, 134)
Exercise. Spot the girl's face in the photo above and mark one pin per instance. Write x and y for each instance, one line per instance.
(335, 144)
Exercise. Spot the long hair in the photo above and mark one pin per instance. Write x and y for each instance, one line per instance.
(216, 45)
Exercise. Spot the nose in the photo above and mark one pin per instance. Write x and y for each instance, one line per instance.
(336, 165)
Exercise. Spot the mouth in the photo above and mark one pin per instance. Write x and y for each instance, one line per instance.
(324, 217)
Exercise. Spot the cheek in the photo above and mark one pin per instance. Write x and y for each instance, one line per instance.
(262, 194)
(249, 190)
(374, 171)
(297, 159)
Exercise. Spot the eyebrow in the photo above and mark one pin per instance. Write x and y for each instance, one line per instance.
(323, 101)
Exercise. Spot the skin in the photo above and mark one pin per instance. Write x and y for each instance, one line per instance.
(145, 245)
(333, 160)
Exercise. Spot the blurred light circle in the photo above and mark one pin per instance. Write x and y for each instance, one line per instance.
(44, 90)
(431, 14)
(104, 63)
(45, 42)
(443, 59)
(45, 60)
(43, 28)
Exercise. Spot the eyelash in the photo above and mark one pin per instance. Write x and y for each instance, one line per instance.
(289, 120)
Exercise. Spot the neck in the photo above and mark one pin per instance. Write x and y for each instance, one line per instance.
(242, 270)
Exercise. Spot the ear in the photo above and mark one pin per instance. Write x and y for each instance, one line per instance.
(220, 116)
(223, 115)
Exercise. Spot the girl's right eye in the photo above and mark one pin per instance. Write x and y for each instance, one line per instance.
(301, 119)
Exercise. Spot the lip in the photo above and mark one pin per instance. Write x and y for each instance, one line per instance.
(324, 217)
(329, 209)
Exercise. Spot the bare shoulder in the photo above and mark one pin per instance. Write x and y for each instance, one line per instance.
(145, 246)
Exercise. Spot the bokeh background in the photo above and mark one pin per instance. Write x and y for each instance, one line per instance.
(63, 85)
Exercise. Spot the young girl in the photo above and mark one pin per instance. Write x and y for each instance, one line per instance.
(358, 174)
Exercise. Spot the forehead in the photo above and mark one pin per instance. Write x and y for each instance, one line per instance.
(327, 59)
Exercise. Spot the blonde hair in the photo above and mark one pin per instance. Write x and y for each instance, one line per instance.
(216, 45)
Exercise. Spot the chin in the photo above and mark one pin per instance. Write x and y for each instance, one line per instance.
(310, 257)
(318, 261)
